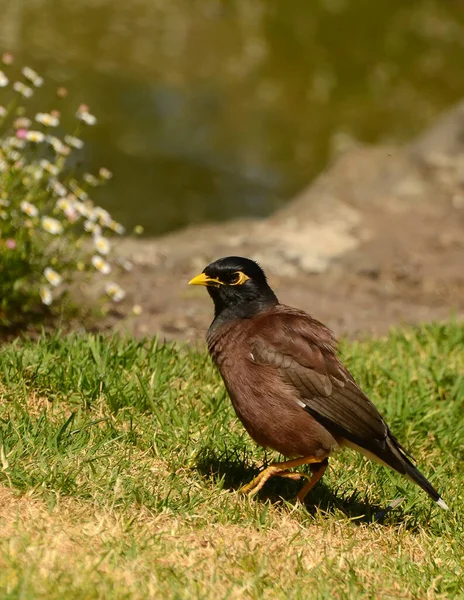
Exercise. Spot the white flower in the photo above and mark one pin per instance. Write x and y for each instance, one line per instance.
(116, 227)
(3, 111)
(102, 245)
(52, 276)
(63, 203)
(3, 79)
(28, 208)
(34, 136)
(105, 173)
(58, 145)
(102, 215)
(15, 143)
(49, 167)
(80, 207)
(14, 155)
(100, 264)
(23, 89)
(46, 295)
(86, 117)
(32, 76)
(74, 142)
(29, 73)
(80, 193)
(71, 214)
(58, 188)
(86, 211)
(115, 292)
(92, 227)
(91, 179)
(47, 119)
(52, 225)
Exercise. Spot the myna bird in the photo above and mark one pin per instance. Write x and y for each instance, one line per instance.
(286, 382)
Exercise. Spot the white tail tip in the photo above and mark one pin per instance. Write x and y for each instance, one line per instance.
(442, 504)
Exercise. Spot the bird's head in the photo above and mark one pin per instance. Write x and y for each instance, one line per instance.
(238, 287)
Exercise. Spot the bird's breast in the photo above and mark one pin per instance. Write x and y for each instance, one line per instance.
(268, 407)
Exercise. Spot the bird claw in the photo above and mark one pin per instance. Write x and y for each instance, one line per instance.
(293, 476)
(250, 489)
(258, 482)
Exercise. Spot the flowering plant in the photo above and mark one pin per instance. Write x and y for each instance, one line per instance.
(50, 229)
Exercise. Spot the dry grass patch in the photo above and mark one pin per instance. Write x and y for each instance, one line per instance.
(94, 554)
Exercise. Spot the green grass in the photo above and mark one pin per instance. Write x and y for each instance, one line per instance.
(119, 462)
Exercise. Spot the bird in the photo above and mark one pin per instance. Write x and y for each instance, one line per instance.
(288, 386)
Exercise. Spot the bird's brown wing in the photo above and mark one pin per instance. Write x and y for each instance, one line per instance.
(304, 353)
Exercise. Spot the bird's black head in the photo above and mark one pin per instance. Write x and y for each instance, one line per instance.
(238, 287)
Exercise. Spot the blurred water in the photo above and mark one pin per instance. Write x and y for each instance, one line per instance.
(210, 109)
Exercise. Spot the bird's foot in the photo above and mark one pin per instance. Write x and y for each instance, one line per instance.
(282, 469)
(293, 476)
(258, 482)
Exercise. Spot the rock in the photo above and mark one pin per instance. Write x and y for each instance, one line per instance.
(445, 138)
(365, 177)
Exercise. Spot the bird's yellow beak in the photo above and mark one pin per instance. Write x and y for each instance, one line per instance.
(203, 279)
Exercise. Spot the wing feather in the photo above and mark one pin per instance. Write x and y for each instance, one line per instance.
(304, 353)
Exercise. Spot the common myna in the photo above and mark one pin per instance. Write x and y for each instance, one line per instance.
(287, 385)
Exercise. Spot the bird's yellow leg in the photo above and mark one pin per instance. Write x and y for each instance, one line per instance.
(278, 469)
(308, 486)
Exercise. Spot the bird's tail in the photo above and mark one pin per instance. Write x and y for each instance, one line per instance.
(400, 462)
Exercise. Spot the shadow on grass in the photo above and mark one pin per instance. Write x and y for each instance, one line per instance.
(235, 471)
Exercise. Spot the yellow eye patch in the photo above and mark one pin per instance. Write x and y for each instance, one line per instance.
(241, 278)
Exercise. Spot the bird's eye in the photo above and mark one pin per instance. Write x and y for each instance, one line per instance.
(237, 278)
